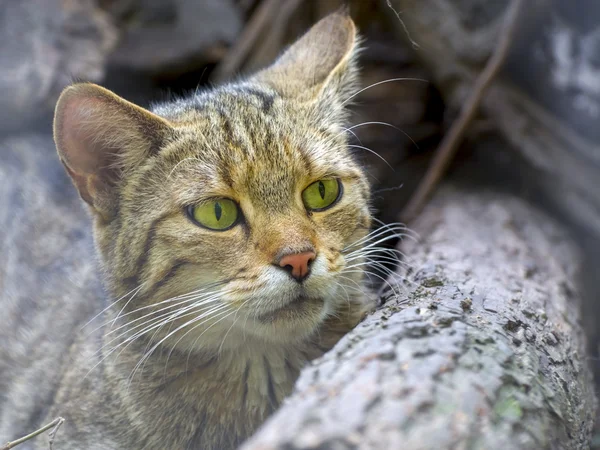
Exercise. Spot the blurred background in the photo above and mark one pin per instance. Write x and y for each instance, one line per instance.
(537, 135)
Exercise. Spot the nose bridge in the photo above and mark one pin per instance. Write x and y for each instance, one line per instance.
(283, 235)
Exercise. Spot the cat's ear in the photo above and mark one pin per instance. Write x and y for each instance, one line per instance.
(321, 65)
(99, 136)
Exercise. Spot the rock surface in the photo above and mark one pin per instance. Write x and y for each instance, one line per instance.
(485, 351)
(547, 102)
(46, 44)
(169, 37)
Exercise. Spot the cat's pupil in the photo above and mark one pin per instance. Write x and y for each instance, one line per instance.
(218, 210)
(322, 190)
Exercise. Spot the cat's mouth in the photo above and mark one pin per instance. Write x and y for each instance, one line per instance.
(300, 306)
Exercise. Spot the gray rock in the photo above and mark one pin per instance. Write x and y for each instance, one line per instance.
(548, 111)
(175, 35)
(46, 44)
(550, 108)
(424, 372)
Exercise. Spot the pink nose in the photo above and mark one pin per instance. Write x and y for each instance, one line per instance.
(297, 264)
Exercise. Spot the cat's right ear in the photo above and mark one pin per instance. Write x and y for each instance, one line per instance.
(99, 136)
(320, 66)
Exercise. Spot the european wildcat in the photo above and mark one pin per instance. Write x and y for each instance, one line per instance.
(230, 227)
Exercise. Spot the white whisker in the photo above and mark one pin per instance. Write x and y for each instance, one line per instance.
(387, 125)
(151, 325)
(111, 305)
(379, 83)
(232, 325)
(371, 151)
(153, 305)
(369, 274)
(179, 163)
(212, 315)
(170, 315)
(194, 301)
(394, 229)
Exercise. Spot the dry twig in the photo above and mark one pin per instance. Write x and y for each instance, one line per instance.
(55, 425)
(268, 49)
(264, 14)
(449, 144)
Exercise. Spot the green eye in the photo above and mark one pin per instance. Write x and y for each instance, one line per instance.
(218, 214)
(322, 194)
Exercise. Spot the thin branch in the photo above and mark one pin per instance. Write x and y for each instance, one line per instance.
(262, 17)
(268, 49)
(59, 421)
(55, 425)
(449, 144)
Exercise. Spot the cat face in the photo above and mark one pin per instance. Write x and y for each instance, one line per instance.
(239, 211)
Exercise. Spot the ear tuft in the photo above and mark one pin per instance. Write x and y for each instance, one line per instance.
(98, 136)
(320, 63)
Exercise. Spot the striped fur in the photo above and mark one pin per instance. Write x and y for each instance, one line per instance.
(260, 141)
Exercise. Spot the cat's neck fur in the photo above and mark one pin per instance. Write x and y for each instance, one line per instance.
(260, 145)
(238, 386)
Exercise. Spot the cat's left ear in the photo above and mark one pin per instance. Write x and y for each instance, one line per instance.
(99, 137)
(321, 65)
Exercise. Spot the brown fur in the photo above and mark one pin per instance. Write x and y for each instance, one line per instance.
(206, 378)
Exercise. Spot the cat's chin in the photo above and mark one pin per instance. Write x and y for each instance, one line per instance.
(301, 307)
(291, 322)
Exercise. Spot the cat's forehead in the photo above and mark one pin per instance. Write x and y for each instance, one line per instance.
(235, 101)
(244, 134)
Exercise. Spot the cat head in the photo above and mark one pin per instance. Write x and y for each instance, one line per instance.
(239, 209)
